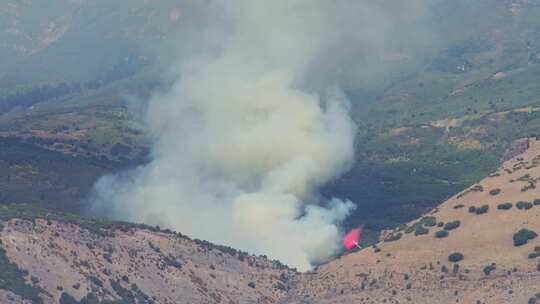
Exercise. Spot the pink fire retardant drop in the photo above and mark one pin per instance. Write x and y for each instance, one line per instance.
(352, 238)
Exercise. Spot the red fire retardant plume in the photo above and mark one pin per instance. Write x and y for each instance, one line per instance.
(352, 238)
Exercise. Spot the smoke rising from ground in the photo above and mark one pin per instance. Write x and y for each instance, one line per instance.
(248, 130)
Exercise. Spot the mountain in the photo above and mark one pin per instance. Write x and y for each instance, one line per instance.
(84, 70)
(480, 246)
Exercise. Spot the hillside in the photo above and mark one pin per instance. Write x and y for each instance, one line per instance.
(411, 263)
(66, 257)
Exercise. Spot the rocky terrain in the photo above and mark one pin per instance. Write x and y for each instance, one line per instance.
(480, 246)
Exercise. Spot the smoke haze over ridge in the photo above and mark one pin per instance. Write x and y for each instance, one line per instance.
(248, 131)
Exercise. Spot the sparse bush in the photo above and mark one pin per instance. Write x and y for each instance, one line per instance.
(441, 234)
(504, 206)
(393, 237)
(458, 206)
(67, 299)
(455, 257)
(420, 230)
(251, 284)
(452, 225)
(482, 210)
(521, 205)
(523, 236)
(488, 269)
(429, 221)
(495, 191)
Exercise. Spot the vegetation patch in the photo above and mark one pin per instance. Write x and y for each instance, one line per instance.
(429, 221)
(452, 225)
(505, 206)
(455, 257)
(521, 205)
(488, 269)
(523, 236)
(441, 234)
(420, 230)
(394, 237)
(12, 279)
(482, 210)
(495, 191)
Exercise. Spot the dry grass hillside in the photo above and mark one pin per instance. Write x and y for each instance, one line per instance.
(480, 246)
(471, 249)
(68, 264)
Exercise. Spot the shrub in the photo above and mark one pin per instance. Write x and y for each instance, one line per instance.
(533, 255)
(440, 224)
(472, 209)
(505, 206)
(482, 210)
(455, 257)
(393, 237)
(488, 269)
(521, 205)
(421, 231)
(458, 206)
(523, 236)
(452, 225)
(536, 202)
(441, 234)
(67, 299)
(495, 191)
(429, 221)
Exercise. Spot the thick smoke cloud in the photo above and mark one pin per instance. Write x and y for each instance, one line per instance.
(248, 130)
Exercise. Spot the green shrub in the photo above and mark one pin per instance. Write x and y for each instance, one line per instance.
(65, 298)
(420, 230)
(488, 269)
(458, 206)
(472, 209)
(495, 191)
(536, 202)
(482, 210)
(505, 206)
(533, 255)
(455, 257)
(521, 205)
(410, 229)
(440, 224)
(441, 234)
(393, 237)
(452, 225)
(429, 221)
(523, 236)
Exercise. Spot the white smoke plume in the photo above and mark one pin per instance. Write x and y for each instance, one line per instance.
(240, 144)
